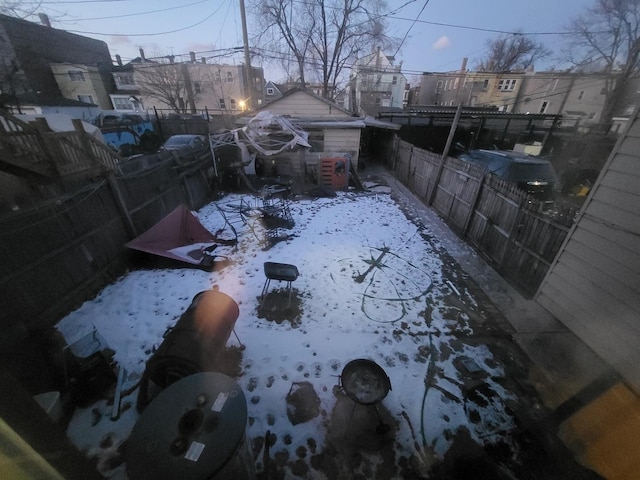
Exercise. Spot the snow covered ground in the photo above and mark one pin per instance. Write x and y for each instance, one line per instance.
(371, 286)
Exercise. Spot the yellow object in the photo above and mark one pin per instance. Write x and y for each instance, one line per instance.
(18, 461)
(604, 434)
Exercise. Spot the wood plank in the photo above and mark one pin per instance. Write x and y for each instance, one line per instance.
(602, 304)
(615, 348)
(613, 217)
(616, 236)
(610, 250)
(622, 181)
(622, 199)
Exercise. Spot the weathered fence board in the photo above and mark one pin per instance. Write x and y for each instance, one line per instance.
(501, 221)
(54, 257)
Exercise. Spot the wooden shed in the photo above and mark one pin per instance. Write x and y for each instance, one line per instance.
(331, 128)
(593, 287)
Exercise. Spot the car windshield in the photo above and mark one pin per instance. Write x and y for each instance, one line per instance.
(531, 172)
(178, 140)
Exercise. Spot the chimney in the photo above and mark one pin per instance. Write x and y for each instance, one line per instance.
(193, 57)
(203, 60)
(118, 60)
(44, 19)
(142, 55)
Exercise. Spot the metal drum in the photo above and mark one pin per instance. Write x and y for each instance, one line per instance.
(193, 430)
(192, 344)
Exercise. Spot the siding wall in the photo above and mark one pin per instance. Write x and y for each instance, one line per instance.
(345, 140)
(301, 104)
(594, 284)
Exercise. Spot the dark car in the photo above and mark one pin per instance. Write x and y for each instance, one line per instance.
(534, 175)
(176, 142)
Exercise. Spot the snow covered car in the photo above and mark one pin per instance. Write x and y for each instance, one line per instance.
(534, 175)
(177, 142)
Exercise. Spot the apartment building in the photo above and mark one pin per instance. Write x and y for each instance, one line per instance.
(27, 51)
(376, 82)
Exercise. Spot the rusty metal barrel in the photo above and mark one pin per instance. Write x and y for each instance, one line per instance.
(191, 346)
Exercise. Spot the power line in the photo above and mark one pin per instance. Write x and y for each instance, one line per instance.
(149, 34)
(490, 30)
(132, 14)
(412, 25)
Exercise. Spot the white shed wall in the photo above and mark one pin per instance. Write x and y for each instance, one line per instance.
(594, 285)
(344, 141)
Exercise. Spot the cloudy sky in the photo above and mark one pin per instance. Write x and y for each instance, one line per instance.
(439, 33)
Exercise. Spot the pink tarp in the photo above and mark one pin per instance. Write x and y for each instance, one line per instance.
(179, 236)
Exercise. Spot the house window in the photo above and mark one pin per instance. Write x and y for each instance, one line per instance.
(122, 103)
(124, 79)
(543, 107)
(229, 77)
(76, 75)
(217, 76)
(196, 87)
(507, 85)
(85, 98)
(222, 104)
(580, 95)
(270, 91)
(395, 80)
(485, 84)
(377, 100)
(232, 102)
(455, 83)
(439, 85)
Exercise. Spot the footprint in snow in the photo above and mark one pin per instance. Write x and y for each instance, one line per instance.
(334, 365)
(271, 419)
(253, 383)
(270, 381)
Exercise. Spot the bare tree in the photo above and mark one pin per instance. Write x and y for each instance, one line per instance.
(165, 82)
(323, 36)
(607, 36)
(512, 52)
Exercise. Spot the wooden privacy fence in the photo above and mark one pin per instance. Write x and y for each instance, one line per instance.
(54, 257)
(501, 221)
(36, 148)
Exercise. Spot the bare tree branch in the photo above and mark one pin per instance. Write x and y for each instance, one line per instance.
(323, 36)
(607, 39)
(512, 52)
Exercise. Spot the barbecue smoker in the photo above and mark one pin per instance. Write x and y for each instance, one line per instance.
(193, 344)
(366, 383)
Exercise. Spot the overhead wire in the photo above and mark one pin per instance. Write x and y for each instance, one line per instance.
(149, 34)
(124, 15)
(411, 27)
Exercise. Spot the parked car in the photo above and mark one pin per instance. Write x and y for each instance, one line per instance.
(534, 175)
(176, 142)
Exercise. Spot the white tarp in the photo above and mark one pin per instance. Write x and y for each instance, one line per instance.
(266, 134)
(59, 122)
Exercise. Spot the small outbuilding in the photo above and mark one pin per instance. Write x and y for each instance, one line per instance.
(331, 133)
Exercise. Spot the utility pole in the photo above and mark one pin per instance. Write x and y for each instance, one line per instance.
(247, 59)
(452, 133)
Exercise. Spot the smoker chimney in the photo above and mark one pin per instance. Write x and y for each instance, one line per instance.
(142, 55)
(118, 60)
(193, 57)
(44, 19)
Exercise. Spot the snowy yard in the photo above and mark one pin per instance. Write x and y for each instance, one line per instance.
(372, 285)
